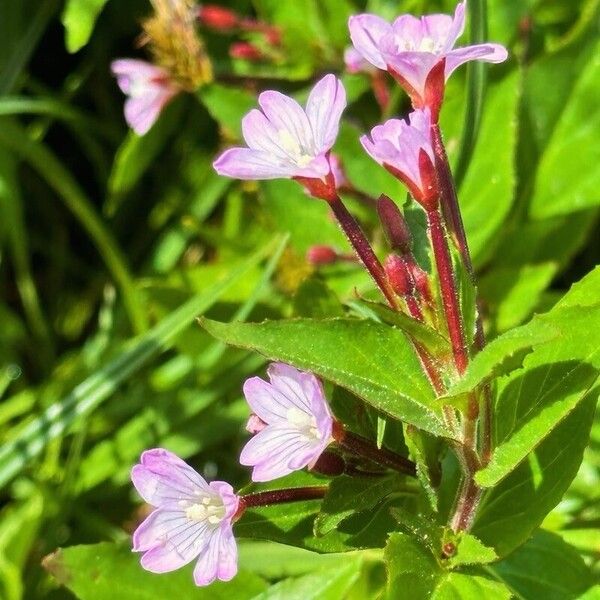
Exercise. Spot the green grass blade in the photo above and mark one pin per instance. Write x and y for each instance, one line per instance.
(89, 394)
(476, 81)
(41, 159)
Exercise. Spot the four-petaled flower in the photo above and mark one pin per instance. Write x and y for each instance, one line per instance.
(411, 48)
(286, 141)
(148, 88)
(298, 422)
(192, 518)
(405, 149)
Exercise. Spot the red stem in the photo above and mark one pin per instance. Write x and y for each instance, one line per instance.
(268, 497)
(363, 249)
(448, 289)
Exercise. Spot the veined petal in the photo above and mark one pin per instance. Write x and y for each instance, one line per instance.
(227, 555)
(296, 386)
(414, 67)
(230, 499)
(366, 32)
(436, 31)
(408, 31)
(244, 163)
(163, 477)
(207, 567)
(457, 28)
(142, 111)
(169, 540)
(269, 404)
(130, 70)
(493, 53)
(260, 134)
(287, 116)
(324, 108)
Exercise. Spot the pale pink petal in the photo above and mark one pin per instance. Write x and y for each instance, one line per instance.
(324, 109)
(230, 499)
(260, 134)
(438, 29)
(255, 424)
(366, 32)
(408, 31)
(287, 115)
(337, 170)
(141, 112)
(354, 61)
(269, 404)
(492, 53)
(414, 67)
(163, 477)
(169, 540)
(457, 28)
(207, 567)
(227, 556)
(129, 70)
(244, 163)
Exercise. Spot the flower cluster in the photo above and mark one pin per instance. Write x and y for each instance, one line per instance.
(291, 423)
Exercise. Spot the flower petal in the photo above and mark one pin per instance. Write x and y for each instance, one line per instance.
(129, 70)
(142, 111)
(169, 539)
(324, 108)
(228, 556)
(207, 567)
(414, 67)
(163, 477)
(493, 53)
(457, 28)
(229, 498)
(366, 31)
(244, 163)
(296, 386)
(260, 134)
(287, 115)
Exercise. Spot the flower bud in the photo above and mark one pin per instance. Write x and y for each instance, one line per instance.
(397, 274)
(245, 51)
(217, 17)
(321, 255)
(394, 226)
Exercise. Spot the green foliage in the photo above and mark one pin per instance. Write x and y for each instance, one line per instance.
(112, 244)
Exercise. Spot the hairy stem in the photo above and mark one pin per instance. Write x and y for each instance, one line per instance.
(365, 448)
(282, 496)
(363, 249)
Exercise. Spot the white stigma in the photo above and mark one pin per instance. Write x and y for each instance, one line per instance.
(304, 422)
(427, 44)
(211, 509)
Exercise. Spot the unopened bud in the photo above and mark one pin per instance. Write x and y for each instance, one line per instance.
(217, 17)
(394, 225)
(397, 274)
(245, 51)
(321, 255)
(255, 424)
(420, 279)
(330, 464)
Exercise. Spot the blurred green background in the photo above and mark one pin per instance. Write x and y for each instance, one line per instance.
(110, 243)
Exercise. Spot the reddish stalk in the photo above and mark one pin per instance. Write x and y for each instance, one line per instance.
(365, 448)
(269, 497)
(448, 289)
(363, 249)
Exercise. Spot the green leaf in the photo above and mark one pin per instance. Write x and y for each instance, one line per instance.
(585, 292)
(227, 106)
(513, 509)
(374, 361)
(504, 354)
(411, 566)
(331, 583)
(78, 18)
(567, 179)
(89, 394)
(544, 567)
(487, 193)
(96, 571)
(348, 495)
(556, 377)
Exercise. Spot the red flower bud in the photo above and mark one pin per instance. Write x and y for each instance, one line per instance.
(394, 226)
(321, 255)
(245, 51)
(217, 17)
(397, 274)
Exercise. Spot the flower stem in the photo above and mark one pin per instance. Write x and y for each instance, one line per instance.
(363, 249)
(466, 505)
(448, 289)
(362, 447)
(315, 492)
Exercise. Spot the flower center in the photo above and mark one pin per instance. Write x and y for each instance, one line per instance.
(305, 423)
(210, 508)
(426, 44)
(301, 156)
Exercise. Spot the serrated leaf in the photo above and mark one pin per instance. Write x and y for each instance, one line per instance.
(555, 378)
(513, 509)
(545, 567)
(348, 495)
(585, 292)
(96, 571)
(503, 355)
(375, 362)
(411, 566)
(78, 18)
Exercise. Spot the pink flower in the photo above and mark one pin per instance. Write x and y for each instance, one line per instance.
(285, 140)
(356, 63)
(410, 48)
(404, 149)
(192, 519)
(298, 422)
(149, 89)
